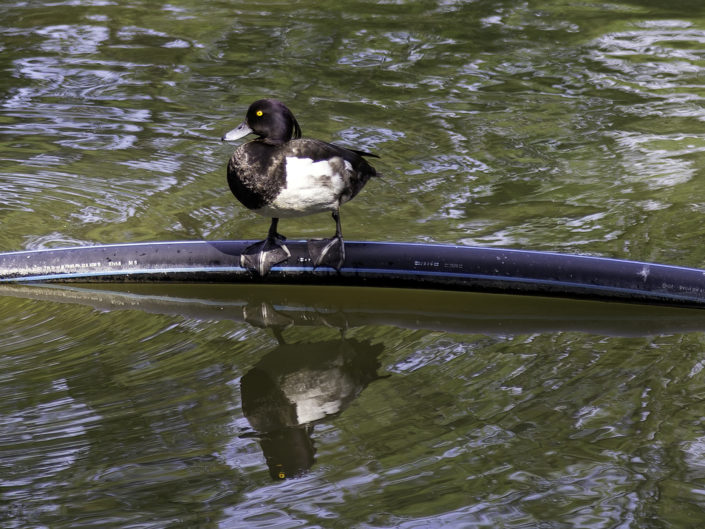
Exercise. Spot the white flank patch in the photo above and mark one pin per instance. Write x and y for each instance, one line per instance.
(311, 187)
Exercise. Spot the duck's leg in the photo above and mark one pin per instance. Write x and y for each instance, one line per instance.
(329, 252)
(262, 256)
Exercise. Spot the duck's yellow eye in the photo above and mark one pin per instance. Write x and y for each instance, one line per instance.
(259, 113)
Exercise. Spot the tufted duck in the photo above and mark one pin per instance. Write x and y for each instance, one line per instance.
(280, 174)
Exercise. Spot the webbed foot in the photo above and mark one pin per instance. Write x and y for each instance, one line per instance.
(262, 256)
(327, 252)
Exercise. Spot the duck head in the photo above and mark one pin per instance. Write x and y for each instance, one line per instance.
(270, 120)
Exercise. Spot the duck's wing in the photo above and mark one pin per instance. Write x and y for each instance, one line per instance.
(318, 150)
(355, 171)
(358, 152)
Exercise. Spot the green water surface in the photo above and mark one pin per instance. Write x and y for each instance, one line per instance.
(575, 127)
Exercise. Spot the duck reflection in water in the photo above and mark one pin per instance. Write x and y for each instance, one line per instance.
(297, 385)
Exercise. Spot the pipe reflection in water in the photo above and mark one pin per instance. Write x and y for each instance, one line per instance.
(278, 388)
(297, 385)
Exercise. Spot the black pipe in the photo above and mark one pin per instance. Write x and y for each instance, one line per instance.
(401, 265)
